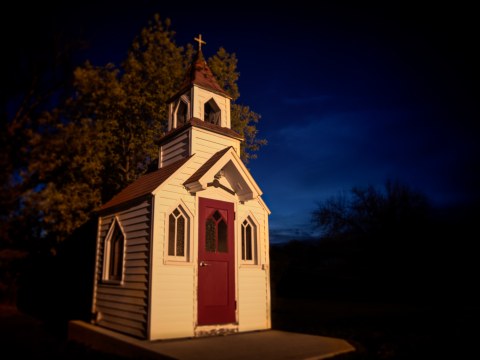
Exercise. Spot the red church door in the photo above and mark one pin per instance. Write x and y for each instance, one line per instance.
(216, 263)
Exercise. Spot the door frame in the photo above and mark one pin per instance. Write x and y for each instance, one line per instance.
(230, 206)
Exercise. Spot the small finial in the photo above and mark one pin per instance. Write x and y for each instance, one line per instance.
(200, 42)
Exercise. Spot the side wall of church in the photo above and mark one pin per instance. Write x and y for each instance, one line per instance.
(124, 307)
(172, 298)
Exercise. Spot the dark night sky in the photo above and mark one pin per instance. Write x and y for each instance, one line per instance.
(349, 95)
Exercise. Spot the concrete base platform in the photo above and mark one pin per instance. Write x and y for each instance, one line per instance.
(269, 344)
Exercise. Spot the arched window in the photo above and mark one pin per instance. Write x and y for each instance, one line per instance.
(211, 112)
(249, 242)
(114, 253)
(178, 235)
(216, 234)
(182, 113)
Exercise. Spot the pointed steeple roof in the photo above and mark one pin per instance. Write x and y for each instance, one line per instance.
(199, 73)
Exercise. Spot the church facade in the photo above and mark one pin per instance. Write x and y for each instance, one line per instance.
(184, 250)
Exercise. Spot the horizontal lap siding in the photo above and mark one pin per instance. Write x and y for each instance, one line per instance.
(252, 300)
(205, 144)
(173, 299)
(174, 303)
(253, 281)
(124, 307)
(175, 150)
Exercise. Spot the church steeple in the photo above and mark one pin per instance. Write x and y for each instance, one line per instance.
(200, 96)
(199, 74)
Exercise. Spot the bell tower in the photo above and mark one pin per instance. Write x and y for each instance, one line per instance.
(200, 96)
(200, 110)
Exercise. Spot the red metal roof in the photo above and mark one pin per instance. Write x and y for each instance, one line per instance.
(144, 185)
(199, 74)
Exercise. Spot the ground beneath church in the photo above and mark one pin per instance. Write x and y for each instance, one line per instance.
(376, 330)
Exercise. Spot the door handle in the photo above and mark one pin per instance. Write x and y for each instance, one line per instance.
(203, 263)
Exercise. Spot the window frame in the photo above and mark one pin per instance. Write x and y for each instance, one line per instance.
(255, 261)
(219, 246)
(212, 103)
(186, 101)
(107, 255)
(188, 235)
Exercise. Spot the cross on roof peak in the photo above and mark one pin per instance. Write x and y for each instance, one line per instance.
(200, 42)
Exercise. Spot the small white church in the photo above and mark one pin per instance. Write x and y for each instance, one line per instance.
(184, 250)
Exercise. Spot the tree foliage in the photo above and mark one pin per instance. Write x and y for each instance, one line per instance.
(244, 120)
(36, 73)
(103, 136)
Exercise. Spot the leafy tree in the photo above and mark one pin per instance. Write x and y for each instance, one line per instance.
(36, 74)
(244, 120)
(103, 136)
(224, 67)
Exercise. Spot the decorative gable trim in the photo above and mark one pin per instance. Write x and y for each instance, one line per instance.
(225, 163)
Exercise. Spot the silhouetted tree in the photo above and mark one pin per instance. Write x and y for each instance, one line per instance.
(372, 214)
(384, 236)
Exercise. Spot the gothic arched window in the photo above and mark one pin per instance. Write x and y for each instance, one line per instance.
(114, 250)
(182, 113)
(216, 233)
(249, 242)
(178, 234)
(212, 112)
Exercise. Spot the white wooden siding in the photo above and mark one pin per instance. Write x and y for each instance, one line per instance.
(174, 303)
(252, 301)
(176, 149)
(172, 300)
(205, 143)
(254, 280)
(124, 307)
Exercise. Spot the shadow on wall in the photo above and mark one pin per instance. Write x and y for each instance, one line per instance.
(57, 288)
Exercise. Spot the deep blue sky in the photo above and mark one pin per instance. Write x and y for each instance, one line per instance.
(349, 95)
